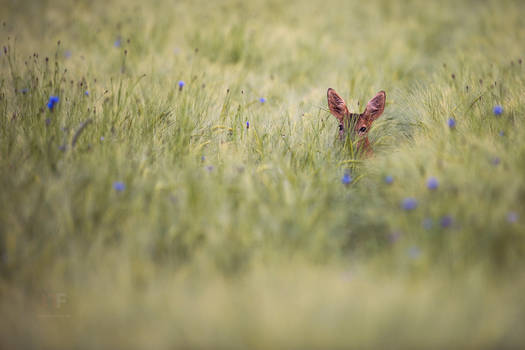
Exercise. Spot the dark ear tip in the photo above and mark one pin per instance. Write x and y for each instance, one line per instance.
(382, 93)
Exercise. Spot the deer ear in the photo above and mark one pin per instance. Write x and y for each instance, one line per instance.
(337, 105)
(376, 106)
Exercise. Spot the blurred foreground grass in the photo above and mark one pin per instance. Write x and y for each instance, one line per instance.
(185, 191)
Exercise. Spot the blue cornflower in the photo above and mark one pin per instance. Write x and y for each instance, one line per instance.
(512, 217)
(117, 42)
(346, 179)
(497, 110)
(451, 123)
(409, 203)
(432, 183)
(414, 252)
(247, 125)
(181, 85)
(119, 186)
(102, 138)
(394, 236)
(389, 179)
(446, 221)
(262, 100)
(428, 223)
(53, 100)
(86, 93)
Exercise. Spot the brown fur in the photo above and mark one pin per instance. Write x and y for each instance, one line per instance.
(374, 109)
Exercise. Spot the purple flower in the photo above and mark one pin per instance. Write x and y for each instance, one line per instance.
(428, 223)
(247, 125)
(53, 100)
(502, 133)
(67, 54)
(497, 110)
(495, 161)
(512, 217)
(181, 85)
(414, 252)
(25, 90)
(117, 43)
(209, 168)
(446, 221)
(346, 179)
(389, 179)
(432, 183)
(119, 186)
(394, 236)
(262, 100)
(409, 203)
(451, 123)
(101, 138)
(203, 158)
(86, 93)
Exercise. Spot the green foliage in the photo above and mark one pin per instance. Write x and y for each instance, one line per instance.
(233, 236)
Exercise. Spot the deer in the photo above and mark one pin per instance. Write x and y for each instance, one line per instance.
(361, 123)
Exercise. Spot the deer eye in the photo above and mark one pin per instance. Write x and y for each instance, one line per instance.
(363, 129)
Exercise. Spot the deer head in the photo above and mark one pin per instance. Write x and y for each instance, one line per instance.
(360, 122)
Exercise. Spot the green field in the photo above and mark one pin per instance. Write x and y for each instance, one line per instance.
(186, 189)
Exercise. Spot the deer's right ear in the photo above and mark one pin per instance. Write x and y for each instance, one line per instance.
(337, 105)
(376, 106)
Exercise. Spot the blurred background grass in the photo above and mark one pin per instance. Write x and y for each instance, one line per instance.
(138, 214)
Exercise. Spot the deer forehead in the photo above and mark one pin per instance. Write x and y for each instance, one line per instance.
(353, 116)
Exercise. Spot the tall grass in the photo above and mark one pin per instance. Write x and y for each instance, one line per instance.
(143, 212)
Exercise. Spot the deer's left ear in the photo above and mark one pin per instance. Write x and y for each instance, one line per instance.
(376, 106)
(337, 105)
